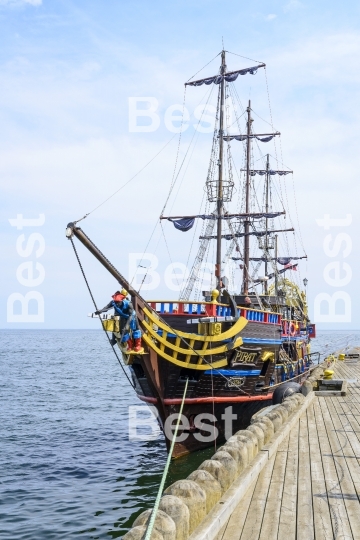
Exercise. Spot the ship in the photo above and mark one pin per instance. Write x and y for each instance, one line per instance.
(233, 351)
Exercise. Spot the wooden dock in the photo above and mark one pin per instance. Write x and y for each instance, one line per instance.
(311, 487)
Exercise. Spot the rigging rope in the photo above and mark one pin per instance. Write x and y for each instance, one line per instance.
(277, 160)
(204, 245)
(174, 178)
(166, 470)
(246, 58)
(126, 183)
(249, 276)
(203, 67)
(96, 309)
(168, 250)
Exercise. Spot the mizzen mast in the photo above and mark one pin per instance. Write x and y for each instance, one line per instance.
(245, 286)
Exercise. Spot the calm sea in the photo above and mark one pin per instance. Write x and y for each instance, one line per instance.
(67, 467)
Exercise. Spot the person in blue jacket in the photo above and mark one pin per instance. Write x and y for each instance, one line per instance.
(129, 325)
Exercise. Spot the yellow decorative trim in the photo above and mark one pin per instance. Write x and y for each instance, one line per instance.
(180, 350)
(203, 367)
(268, 355)
(235, 329)
(177, 343)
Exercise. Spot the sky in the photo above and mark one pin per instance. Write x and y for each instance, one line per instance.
(67, 73)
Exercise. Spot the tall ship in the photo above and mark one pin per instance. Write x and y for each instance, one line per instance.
(232, 346)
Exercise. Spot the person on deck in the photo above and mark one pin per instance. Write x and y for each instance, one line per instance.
(129, 326)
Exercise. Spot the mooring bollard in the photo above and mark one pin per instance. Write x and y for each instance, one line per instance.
(179, 513)
(193, 496)
(208, 483)
(163, 523)
(328, 374)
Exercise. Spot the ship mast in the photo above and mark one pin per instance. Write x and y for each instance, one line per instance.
(220, 207)
(266, 220)
(247, 205)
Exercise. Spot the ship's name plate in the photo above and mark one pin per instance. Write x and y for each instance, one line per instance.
(246, 357)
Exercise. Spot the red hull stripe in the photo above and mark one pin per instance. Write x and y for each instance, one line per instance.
(148, 399)
(195, 401)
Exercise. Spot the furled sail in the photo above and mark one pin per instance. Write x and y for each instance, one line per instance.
(271, 172)
(281, 260)
(185, 223)
(252, 233)
(229, 77)
(262, 138)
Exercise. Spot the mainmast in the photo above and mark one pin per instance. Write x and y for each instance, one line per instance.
(247, 205)
(266, 220)
(220, 206)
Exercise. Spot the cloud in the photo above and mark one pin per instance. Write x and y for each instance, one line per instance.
(271, 16)
(20, 2)
(293, 5)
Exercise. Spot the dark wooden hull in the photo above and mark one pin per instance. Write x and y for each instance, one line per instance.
(161, 383)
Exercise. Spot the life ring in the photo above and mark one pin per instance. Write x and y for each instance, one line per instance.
(292, 329)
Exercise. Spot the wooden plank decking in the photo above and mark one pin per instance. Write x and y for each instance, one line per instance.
(311, 487)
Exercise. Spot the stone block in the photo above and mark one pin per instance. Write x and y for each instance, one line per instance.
(193, 496)
(179, 513)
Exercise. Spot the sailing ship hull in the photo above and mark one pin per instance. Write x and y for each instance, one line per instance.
(214, 432)
(242, 408)
(239, 389)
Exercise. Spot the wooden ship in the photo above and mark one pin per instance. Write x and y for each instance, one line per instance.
(234, 350)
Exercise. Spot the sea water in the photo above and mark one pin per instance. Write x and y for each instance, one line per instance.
(67, 467)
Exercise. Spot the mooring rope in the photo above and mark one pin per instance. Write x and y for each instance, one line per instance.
(166, 470)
